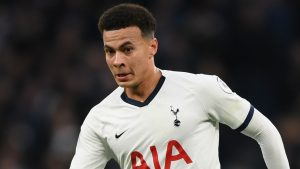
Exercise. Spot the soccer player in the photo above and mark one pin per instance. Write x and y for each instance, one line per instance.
(158, 118)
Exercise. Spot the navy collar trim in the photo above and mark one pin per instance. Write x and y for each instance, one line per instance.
(128, 100)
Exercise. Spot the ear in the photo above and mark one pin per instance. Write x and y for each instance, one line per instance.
(153, 46)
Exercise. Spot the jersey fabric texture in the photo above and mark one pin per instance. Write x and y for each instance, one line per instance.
(176, 127)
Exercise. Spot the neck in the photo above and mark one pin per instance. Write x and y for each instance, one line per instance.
(142, 91)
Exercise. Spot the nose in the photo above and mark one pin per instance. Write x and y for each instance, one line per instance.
(118, 59)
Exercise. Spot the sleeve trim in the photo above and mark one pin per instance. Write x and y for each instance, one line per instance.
(247, 120)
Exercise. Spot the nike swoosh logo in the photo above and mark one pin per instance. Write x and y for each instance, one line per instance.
(119, 135)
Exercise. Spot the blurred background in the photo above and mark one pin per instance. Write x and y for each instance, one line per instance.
(53, 71)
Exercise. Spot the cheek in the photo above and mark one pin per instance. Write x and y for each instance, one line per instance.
(108, 60)
(142, 65)
(109, 63)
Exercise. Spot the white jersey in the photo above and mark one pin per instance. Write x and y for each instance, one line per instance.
(176, 127)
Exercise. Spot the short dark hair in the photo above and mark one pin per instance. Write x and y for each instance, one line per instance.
(125, 15)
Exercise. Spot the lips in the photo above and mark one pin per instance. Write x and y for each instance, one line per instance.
(122, 74)
(122, 77)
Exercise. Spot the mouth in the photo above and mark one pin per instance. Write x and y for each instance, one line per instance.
(122, 74)
(122, 77)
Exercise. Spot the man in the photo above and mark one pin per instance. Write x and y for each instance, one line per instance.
(162, 119)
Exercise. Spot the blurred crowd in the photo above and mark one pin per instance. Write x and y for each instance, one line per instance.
(53, 70)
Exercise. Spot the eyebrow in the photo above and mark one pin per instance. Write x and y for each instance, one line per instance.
(121, 46)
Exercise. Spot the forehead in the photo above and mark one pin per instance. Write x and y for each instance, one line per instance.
(115, 38)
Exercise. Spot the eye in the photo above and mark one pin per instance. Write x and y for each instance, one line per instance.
(109, 51)
(128, 50)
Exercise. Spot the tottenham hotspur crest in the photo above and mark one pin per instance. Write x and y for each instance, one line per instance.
(175, 112)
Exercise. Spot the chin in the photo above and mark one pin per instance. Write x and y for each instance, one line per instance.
(124, 84)
(128, 84)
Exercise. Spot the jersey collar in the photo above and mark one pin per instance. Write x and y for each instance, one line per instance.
(128, 100)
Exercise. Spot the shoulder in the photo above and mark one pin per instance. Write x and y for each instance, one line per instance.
(109, 101)
(200, 81)
(202, 85)
(97, 114)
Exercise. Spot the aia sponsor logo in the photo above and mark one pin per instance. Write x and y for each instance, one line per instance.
(138, 161)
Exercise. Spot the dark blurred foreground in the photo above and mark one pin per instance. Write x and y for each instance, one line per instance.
(52, 70)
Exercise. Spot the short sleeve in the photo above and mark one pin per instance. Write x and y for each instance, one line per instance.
(91, 152)
(225, 106)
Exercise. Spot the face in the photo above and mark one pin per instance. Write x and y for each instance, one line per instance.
(129, 55)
